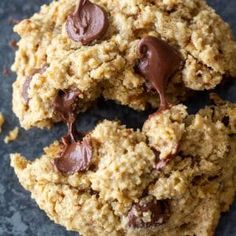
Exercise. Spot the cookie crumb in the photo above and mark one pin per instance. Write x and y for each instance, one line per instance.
(2, 120)
(12, 135)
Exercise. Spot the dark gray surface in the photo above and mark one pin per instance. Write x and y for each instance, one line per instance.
(19, 215)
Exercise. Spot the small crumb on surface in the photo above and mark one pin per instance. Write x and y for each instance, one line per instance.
(1, 121)
(12, 135)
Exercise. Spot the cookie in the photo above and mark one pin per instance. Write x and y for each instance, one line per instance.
(99, 48)
(173, 177)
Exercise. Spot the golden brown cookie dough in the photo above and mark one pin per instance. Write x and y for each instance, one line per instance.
(105, 67)
(125, 192)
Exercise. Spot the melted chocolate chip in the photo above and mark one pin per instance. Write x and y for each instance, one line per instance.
(88, 23)
(65, 105)
(26, 85)
(76, 157)
(158, 63)
(158, 210)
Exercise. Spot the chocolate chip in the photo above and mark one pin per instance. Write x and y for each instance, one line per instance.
(65, 105)
(158, 63)
(76, 157)
(72, 135)
(88, 22)
(26, 85)
(158, 211)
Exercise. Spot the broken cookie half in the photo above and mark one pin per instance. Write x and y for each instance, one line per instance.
(96, 47)
(173, 177)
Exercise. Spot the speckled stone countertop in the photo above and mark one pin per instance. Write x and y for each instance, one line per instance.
(19, 215)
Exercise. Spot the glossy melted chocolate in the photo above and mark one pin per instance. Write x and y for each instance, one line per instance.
(76, 155)
(88, 23)
(158, 63)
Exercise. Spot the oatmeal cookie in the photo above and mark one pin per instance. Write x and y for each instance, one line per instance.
(92, 47)
(174, 177)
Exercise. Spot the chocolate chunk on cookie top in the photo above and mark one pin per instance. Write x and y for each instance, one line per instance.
(88, 22)
(159, 61)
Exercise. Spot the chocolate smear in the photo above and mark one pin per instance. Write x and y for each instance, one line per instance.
(158, 63)
(88, 22)
(158, 214)
(26, 85)
(76, 157)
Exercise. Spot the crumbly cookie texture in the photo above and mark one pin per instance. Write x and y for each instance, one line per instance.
(106, 66)
(13, 134)
(115, 196)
